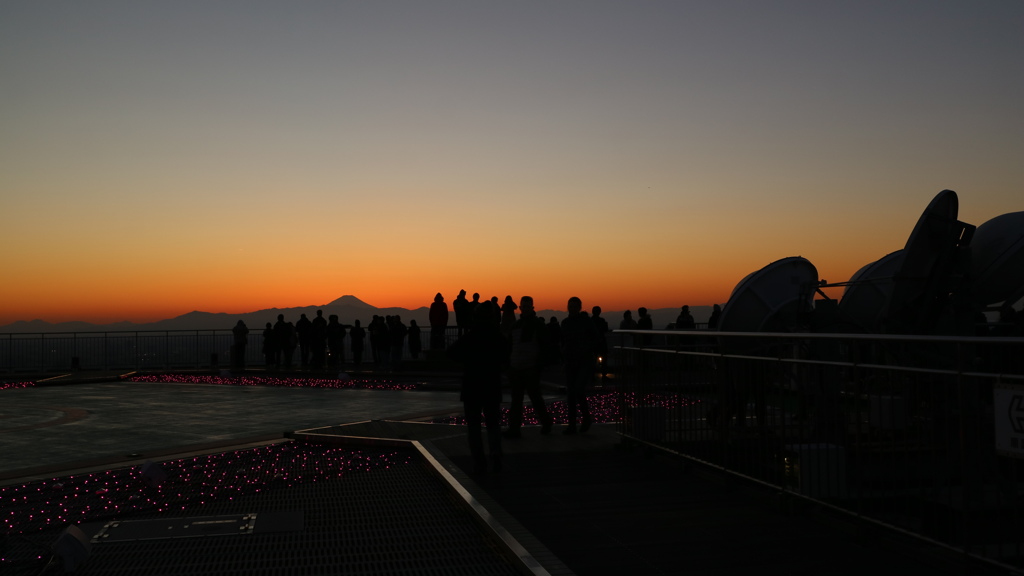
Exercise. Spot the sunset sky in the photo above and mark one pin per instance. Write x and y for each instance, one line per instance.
(163, 157)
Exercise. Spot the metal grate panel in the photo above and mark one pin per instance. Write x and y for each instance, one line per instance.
(400, 519)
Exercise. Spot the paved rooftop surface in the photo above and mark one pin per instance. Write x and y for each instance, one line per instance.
(585, 504)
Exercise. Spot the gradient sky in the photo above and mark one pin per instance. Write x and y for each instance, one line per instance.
(163, 157)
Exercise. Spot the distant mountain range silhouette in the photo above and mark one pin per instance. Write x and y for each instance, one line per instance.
(348, 308)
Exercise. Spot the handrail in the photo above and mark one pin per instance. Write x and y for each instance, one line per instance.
(920, 434)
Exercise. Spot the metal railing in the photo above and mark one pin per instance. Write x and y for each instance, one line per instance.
(152, 350)
(924, 435)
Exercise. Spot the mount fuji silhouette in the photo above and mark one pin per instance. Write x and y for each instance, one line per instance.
(348, 308)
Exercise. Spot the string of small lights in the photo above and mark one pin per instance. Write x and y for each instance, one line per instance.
(604, 408)
(190, 482)
(337, 383)
(13, 385)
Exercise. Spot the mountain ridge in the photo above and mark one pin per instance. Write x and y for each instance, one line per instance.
(349, 308)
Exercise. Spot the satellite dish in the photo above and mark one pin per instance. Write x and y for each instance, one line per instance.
(772, 298)
(929, 260)
(997, 260)
(868, 290)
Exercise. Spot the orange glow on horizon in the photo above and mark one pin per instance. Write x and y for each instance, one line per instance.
(149, 298)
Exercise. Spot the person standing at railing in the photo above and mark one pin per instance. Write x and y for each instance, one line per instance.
(358, 336)
(555, 338)
(508, 315)
(716, 313)
(284, 333)
(318, 341)
(483, 353)
(601, 327)
(438, 322)
(379, 343)
(627, 322)
(415, 344)
(644, 322)
(241, 339)
(473, 304)
(685, 320)
(335, 342)
(269, 347)
(578, 338)
(529, 342)
(397, 333)
(463, 312)
(304, 331)
(496, 309)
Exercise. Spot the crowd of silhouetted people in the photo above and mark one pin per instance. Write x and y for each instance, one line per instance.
(495, 341)
(320, 343)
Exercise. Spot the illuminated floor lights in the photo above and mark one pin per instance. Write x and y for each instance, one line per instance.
(190, 482)
(336, 383)
(604, 408)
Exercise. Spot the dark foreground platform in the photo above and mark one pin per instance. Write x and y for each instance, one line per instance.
(397, 497)
(594, 504)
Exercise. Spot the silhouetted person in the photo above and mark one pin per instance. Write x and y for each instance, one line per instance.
(318, 341)
(601, 345)
(578, 337)
(508, 315)
(415, 344)
(438, 322)
(716, 313)
(284, 336)
(496, 309)
(1007, 325)
(335, 342)
(627, 322)
(555, 336)
(473, 305)
(483, 353)
(290, 344)
(397, 332)
(528, 339)
(269, 346)
(379, 344)
(240, 339)
(304, 331)
(463, 312)
(358, 336)
(685, 320)
(644, 322)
